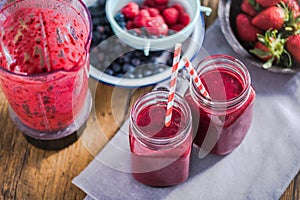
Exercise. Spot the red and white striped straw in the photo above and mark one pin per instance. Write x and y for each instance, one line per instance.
(176, 60)
(195, 77)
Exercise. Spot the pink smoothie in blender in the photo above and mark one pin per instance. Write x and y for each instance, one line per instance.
(44, 65)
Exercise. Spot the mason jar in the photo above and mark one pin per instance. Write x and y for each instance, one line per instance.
(222, 121)
(160, 155)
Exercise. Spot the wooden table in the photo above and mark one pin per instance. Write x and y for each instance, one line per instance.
(28, 172)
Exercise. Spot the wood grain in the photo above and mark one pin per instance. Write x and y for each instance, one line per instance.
(27, 172)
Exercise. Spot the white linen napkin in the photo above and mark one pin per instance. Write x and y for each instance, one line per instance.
(260, 168)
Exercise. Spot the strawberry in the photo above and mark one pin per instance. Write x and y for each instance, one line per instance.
(141, 19)
(157, 26)
(264, 51)
(270, 48)
(293, 46)
(292, 25)
(170, 15)
(271, 18)
(268, 3)
(247, 8)
(131, 10)
(245, 30)
(293, 5)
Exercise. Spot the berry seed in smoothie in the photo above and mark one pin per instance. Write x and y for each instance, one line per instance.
(44, 61)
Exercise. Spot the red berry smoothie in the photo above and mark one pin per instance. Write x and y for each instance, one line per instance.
(156, 161)
(44, 62)
(227, 124)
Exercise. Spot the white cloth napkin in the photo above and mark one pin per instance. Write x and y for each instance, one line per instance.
(260, 168)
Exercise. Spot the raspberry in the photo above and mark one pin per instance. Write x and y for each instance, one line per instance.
(142, 18)
(161, 8)
(178, 7)
(131, 10)
(150, 3)
(177, 27)
(157, 26)
(170, 15)
(130, 25)
(162, 2)
(144, 6)
(184, 19)
(153, 12)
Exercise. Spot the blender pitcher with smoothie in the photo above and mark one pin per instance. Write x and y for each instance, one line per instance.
(44, 65)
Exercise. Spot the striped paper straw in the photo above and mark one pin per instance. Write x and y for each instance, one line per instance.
(171, 97)
(195, 77)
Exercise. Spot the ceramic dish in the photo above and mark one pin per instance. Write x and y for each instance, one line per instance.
(227, 12)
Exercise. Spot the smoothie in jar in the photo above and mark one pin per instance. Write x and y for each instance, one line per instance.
(44, 61)
(160, 154)
(223, 120)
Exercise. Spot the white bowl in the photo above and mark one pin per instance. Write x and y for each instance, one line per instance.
(193, 44)
(113, 6)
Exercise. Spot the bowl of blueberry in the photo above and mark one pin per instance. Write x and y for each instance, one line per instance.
(117, 61)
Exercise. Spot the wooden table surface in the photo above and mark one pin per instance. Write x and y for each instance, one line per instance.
(28, 172)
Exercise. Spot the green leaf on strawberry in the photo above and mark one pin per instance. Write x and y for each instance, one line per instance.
(270, 48)
(255, 5)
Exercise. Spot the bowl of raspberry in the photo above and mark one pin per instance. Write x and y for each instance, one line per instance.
(265, 32)
(152, 25)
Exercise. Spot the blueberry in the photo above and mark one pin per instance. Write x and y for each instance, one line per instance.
(122, 24)
(127, 67)
(126, 59)
(104, 21)
(147, 72)
(139, 75)
(101, 3)
(129, 75)
(119, 17)
(153, 37)
(156, 53)
(100, 57)
(116, 67)
(103, 37)
(135, 61)
(94, 11)
(120, 75)
(171, 32)
(96, 20)
(107, 29)
(96, 35)
(132, 32)
(109, 71)
(100, 28)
